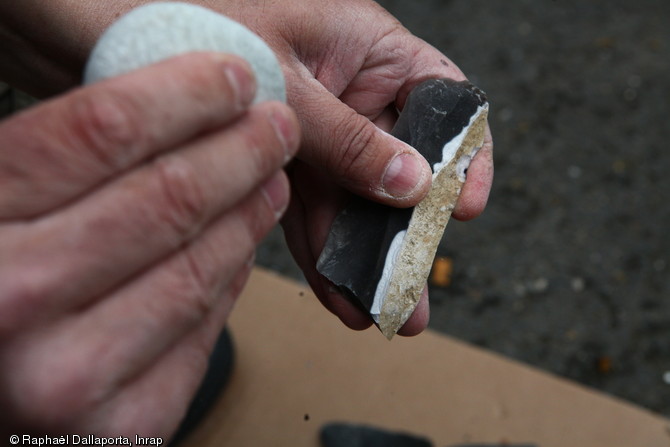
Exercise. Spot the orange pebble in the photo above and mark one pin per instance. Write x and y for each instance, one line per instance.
(440, 276)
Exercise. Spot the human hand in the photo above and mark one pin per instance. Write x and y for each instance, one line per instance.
(129, 214)
(349, 65)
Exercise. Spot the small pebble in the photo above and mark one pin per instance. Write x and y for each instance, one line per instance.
(539, 285)
(604, 365)
(577, 284)
(574, 172)
(659, 265)
(443, 268)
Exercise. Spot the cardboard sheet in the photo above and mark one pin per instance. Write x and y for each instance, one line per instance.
(298, 368)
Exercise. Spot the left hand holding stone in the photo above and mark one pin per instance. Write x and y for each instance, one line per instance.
(349, 65)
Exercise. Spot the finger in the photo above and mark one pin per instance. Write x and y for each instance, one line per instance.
(295, 233)
(426, 62)
(180, 370)
(173, 298)
(314, 205)
(132, 328)
(296, 227)
(418, 321)
(475, 193)
(352, 315)
(55, 152)
(386, 119)
(143, 216)
(365, 94)
(356, 153)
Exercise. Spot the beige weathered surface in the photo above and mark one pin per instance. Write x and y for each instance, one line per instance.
(429, 220)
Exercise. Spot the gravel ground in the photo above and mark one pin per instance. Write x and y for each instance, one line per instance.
(568, 269)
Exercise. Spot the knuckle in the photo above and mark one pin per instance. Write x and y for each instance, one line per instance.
(258, 217)
(204, 269)
(193, 286)
(22, 291)
(198, 355)
(52, 391)
(195, 273)
(182, 202)
(261, 137)
(269, 134)
(355, 146)
(107, 128)
(238, 89)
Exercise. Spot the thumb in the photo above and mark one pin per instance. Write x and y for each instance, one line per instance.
(360, 156)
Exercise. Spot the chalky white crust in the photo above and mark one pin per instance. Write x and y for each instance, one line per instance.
(383, 284)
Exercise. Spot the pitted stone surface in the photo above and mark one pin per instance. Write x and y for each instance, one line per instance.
(161, 30)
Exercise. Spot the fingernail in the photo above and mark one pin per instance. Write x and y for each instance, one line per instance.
(277, 194)
(404, 175)
(242, 82)
(285, 131)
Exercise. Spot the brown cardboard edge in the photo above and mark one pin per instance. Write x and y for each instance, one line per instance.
(298, 368)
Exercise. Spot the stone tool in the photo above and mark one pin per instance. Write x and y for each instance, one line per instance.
(381, 256)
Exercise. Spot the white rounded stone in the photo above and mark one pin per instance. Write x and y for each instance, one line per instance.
(161, 30)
